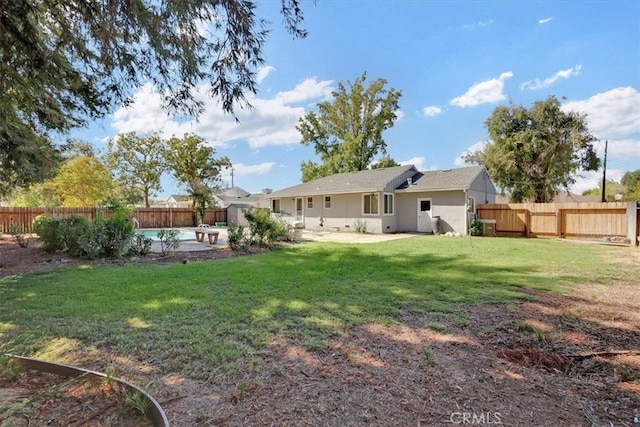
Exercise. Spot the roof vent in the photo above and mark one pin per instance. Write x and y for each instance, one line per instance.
(409, 181)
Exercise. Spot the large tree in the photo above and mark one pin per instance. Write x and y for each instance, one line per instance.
(65, 61)
(194, 166)
(138, 163)
(83, 181)
(533, 153)
(346, 132)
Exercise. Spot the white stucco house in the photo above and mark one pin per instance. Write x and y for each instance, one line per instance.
(388, 200)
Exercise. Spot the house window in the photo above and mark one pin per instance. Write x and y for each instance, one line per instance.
(388, 204)
(275, 206)
(327, 202)
(370, 204)
(309, 202)
(471, 204)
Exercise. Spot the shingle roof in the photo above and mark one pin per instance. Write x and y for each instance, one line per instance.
(445, 179)
(234, 192)
(349, 182)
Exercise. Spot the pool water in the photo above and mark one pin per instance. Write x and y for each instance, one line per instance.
(153, 233)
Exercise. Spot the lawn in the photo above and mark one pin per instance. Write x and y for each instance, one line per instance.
(225, 311)
(214, 321)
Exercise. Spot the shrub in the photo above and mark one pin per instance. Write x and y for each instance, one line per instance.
(169, 241)
(141, 245)
(79, 236)
(264, 230)
(236, 238)
(475, 229)
(118, 231)
(360, 226)
(20, 235)
(51, 232)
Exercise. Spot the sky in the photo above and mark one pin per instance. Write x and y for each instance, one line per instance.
(453, 61)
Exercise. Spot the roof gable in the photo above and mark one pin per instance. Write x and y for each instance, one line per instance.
(444, 179)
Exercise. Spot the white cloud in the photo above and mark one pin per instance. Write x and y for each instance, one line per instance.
(536, 83)
(418, 162)
(309, 89)
(478, 146)
(242, 169)
(263, 72)
(483, 92)
(545, 20)
(431, 110)
(624, 148)
(593, 179)
(614, 114)
(400, 115)
(270, 122)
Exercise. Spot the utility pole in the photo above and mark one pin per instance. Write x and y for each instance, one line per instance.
(604, 173)
(233, 185)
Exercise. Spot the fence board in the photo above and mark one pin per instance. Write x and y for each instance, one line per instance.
(578, 220)
(146, 217)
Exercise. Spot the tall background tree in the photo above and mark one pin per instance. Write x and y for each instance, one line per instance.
(631, 180)
(533, 153)
(347, 131)
(83, 181)
(65, 61)
(193, 164)
(138, 163)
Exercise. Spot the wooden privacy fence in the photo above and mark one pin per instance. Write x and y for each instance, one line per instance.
(146, 217)
(572, 220)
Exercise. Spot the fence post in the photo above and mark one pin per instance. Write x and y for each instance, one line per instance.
(632, 224)
(559, 223)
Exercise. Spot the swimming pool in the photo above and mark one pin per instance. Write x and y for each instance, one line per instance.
(153, 233)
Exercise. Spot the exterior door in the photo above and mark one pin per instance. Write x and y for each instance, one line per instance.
(424, 216)
(299, 211)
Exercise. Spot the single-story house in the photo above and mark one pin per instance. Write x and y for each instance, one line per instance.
(178, 201)
(225, 197)
(388, 200)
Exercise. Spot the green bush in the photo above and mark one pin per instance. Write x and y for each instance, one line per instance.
(78, 237)
(475, 229)
(51, 232)
(264, 230)
(169, 241)
(83, 238)
(236, 238)
(141, 245)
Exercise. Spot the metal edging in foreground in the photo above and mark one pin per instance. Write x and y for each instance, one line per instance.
(156, 414)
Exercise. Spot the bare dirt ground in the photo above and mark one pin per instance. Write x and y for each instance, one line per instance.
(557, 360)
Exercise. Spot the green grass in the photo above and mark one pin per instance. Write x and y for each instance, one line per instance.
(215, 318)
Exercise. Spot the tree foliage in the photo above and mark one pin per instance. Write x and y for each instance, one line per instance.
(612, 189)
(533, 153)
(631, 180)
(38, 195)
(193, 164)
(347, 131)
(138, 163)
(64, 61)
(83, 181)
(384, 162)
